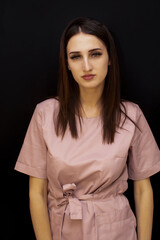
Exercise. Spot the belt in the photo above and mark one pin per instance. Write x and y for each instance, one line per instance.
(75, 206)
(74, 202)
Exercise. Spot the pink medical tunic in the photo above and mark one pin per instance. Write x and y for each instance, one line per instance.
(86, 178)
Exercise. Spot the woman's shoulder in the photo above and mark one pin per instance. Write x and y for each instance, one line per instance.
(49, 104)
(129, 104)
(132, 109)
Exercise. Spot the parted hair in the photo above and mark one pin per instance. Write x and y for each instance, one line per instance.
(68, 93)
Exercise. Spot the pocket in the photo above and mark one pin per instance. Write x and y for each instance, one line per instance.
(116, 222)
(118, 230)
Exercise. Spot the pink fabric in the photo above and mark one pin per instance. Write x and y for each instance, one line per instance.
(86, 178)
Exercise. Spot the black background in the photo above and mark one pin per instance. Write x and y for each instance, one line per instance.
(29, 36)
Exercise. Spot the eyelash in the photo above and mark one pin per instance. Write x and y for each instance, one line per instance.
(96, 54)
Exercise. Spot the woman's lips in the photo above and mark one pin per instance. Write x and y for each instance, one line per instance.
(88, 77)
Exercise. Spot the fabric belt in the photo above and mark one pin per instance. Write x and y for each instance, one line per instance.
(75, 206)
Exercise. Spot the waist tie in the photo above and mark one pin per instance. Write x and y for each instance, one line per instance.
(74, 202)
(75, 206)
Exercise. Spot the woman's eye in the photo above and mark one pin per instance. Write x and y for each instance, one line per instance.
(96, 54)
(74, 57)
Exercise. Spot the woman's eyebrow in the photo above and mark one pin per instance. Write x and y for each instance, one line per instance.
(94, 49)
(91, 50)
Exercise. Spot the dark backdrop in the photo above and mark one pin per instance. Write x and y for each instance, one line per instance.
(30, 33)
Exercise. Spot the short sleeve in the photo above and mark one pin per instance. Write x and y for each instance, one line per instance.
(144, 154)
(32, 157)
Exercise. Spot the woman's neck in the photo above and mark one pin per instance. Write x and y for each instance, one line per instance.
(90, 97)
(90, 101)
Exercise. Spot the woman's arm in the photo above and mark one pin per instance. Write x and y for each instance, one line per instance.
(143, 196)
(38, 208)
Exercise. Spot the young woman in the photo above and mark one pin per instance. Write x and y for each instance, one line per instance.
(77, 145)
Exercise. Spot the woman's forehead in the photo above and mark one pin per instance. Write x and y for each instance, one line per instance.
(84, 42)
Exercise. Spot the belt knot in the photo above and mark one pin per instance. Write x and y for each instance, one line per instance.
(75, 207)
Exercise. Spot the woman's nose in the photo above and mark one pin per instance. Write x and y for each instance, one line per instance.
(86, 65)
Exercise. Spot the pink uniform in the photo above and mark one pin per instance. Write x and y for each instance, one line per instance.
(86, 178)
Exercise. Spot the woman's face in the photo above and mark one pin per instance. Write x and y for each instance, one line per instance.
(88, 60)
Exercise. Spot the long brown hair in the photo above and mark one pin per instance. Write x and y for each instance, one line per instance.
(68, 88)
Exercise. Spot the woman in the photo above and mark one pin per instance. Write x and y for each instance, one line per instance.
(77, 144)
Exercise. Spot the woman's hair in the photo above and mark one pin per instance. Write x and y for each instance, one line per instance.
(68, 88)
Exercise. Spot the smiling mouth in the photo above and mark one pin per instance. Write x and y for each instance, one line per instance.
(88, 77)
